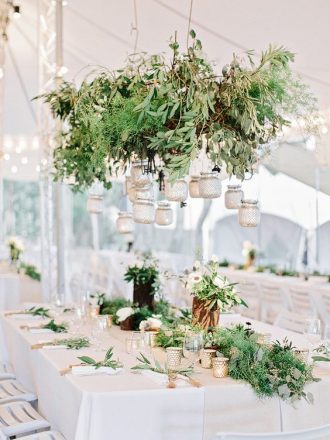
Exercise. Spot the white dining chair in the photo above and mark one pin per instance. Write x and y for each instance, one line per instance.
(6, 371)
(301, 302)
(250, 292)
(11, 390)
(46, 435)
(321, 300)
(20, 418)
(321, 433)
(273, 300)
(291, 321)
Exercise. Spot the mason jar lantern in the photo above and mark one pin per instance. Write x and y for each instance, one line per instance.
(233, 196)
(138, 176)
(209, 186)
(124, 223)
(194, 187)
(144, 211)
(176, 191)
(249, 213)
(145, 192)
(164, 214)
(95, 198)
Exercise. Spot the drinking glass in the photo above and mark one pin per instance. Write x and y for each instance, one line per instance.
(98, 329)
(312, 333)
(327, 336)
(135, 343)
(192, 345)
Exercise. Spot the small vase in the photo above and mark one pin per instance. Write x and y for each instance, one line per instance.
(250, 260)
(203, 315)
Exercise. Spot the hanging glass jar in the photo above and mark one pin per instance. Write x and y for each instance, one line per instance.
(144, 211)
(95, 204)
(164, 214)
(95, 198)
(124, 223)
(127, 184)
(176, 191)
(194, 187)
(233, 196)
(145, 192)
(131, 193)
(209, 186)
(249, 213)
(138, 176)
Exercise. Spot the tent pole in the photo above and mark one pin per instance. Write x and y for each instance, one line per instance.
(60, 189)
(317, 243)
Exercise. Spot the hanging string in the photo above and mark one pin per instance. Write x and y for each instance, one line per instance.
(134, 26)
(189, 21)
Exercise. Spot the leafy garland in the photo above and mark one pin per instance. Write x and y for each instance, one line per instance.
(38, 311)
(270, 370)
(152, 107)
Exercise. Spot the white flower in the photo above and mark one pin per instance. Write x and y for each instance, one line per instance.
(220, 282)
(16, 242)
(214, 259)
(197, 265)
(153, 323)
(194, 277)
(124, 313)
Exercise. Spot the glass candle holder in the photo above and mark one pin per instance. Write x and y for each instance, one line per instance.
(125, 223)
(95, 204)
(138, 176)
(164, 214)
(94, 311)
(173, 357)
(176, 191)
(144, 211)
(150, 338)
(209, 186)
(194, 187)
(131, 193)
(207, 354)
(233, 196)
(144, 192)
(249, 213)
(220, 366)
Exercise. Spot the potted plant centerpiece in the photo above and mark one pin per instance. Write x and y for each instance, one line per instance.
(145, 278)
(212, 294)
(250, 253)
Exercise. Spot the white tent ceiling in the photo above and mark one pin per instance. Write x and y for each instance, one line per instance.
(101, 33)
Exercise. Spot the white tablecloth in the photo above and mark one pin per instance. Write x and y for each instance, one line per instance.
(131, 405)
(9, 291)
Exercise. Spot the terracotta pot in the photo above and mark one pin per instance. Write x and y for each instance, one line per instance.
(203, 315)
(143, 295)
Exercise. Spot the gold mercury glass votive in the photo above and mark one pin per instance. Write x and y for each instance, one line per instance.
(173, 357)
(220, 366)
(206, 357)
(109, 320)
(94, 311)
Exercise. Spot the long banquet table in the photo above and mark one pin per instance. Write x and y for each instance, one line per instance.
(130, 405)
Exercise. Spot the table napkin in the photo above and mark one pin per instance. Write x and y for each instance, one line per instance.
(25, 316)
(87, 370)
(162, 379)
(54, 347)
(40, 330)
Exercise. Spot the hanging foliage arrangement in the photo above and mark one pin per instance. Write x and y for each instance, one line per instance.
(170, 110)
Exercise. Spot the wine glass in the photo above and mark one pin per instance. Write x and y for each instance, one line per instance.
(313, 332)
(192, 345)
(327, 336)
